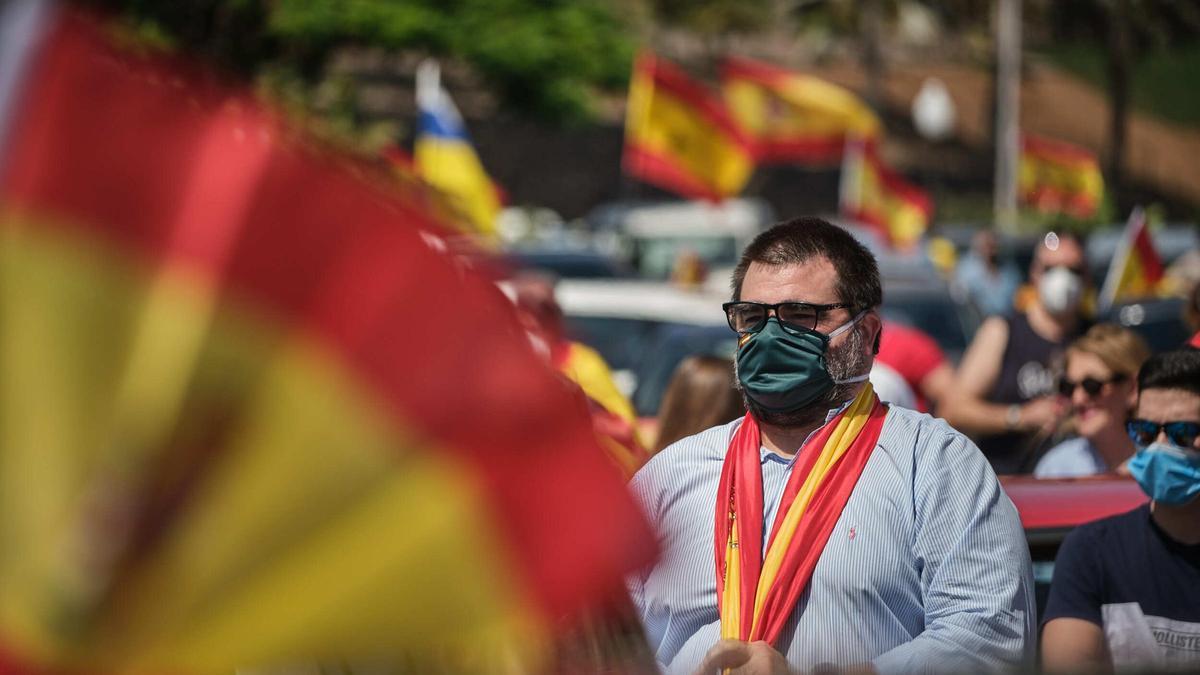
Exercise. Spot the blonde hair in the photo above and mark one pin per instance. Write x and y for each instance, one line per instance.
(701, 395)
(1122, 350)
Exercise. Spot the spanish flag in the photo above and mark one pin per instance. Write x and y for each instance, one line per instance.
(873, 194)
(1136, 268)
(612, 414)
(679, 137)
(1057, 177)
(446, 159)
(794, 117)
(251, 415)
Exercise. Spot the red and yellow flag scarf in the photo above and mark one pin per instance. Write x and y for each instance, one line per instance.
(758, 594)
(613, 416)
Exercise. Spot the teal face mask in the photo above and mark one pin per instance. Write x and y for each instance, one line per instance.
(1169, 474)
(784, 370)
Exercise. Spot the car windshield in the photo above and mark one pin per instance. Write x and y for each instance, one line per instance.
(655, 257)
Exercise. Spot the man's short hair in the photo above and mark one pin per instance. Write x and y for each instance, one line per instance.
(802, 239)
(1179, 369)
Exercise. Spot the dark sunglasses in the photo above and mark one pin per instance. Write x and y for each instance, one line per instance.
(1143, 432)
(1090, 385)
(750, 317)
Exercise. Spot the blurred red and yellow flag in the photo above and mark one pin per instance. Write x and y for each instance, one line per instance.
(252, 414)
(679, 137)
(1057, 177)
(612, 413)
(1136, 269)
(793, 117)
(873, 194)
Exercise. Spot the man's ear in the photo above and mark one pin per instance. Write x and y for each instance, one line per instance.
(874, 326)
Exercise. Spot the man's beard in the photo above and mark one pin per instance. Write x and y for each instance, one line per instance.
(844, 362)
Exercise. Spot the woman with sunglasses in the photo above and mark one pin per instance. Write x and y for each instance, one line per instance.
(1100, 384)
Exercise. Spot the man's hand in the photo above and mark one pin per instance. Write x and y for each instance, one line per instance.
(743, 658)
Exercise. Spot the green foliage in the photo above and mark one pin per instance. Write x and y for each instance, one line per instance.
(542, 57)
(715, 17)
(1162, 81)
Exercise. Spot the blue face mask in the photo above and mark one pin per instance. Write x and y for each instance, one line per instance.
(1168, 473)
(783, 369)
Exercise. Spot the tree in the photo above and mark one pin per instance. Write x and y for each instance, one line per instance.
(542, 57)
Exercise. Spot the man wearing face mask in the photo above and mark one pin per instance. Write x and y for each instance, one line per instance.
(1003, 393)
(1126, 589)
(989, 282)
(826, 530)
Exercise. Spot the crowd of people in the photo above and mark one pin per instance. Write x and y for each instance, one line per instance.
(812, 522)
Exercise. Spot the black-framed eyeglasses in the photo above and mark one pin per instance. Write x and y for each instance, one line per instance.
(750, 317)
(1091, 385)
(1181, 433)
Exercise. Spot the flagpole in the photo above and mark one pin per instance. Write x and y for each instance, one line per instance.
(1008, 111)
(1116, 268)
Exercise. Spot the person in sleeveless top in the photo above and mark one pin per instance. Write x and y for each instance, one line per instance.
(1003, 395)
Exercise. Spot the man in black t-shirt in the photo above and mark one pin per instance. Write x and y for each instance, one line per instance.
(1126, 589)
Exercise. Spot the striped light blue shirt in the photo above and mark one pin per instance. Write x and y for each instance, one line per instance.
(926, 570)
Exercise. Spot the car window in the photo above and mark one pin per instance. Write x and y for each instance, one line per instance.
(655, 257)
(935, 313)
(619, 340)
(571, 265)
(1159, 322)
(660, 358)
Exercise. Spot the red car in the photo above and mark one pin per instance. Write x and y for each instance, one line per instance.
(1050, 508)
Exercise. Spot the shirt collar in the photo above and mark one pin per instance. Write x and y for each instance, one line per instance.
(766, 455)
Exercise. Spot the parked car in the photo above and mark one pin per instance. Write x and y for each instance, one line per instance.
(570, 263)
(1050, 509)
(929, 304)
(652, 236)
(622, 318)
(1159, 321)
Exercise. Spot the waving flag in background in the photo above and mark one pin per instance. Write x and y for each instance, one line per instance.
(1136, 268)
(679, 137)
(1057, 177)
(408, 180)
(250, 413)
(445, 157)
(794, 117)
(874, 194)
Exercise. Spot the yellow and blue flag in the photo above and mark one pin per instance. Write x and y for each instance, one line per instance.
(446, 158)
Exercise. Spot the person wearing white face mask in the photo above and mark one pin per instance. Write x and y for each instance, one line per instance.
(1126, 589)
(1003, 394)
